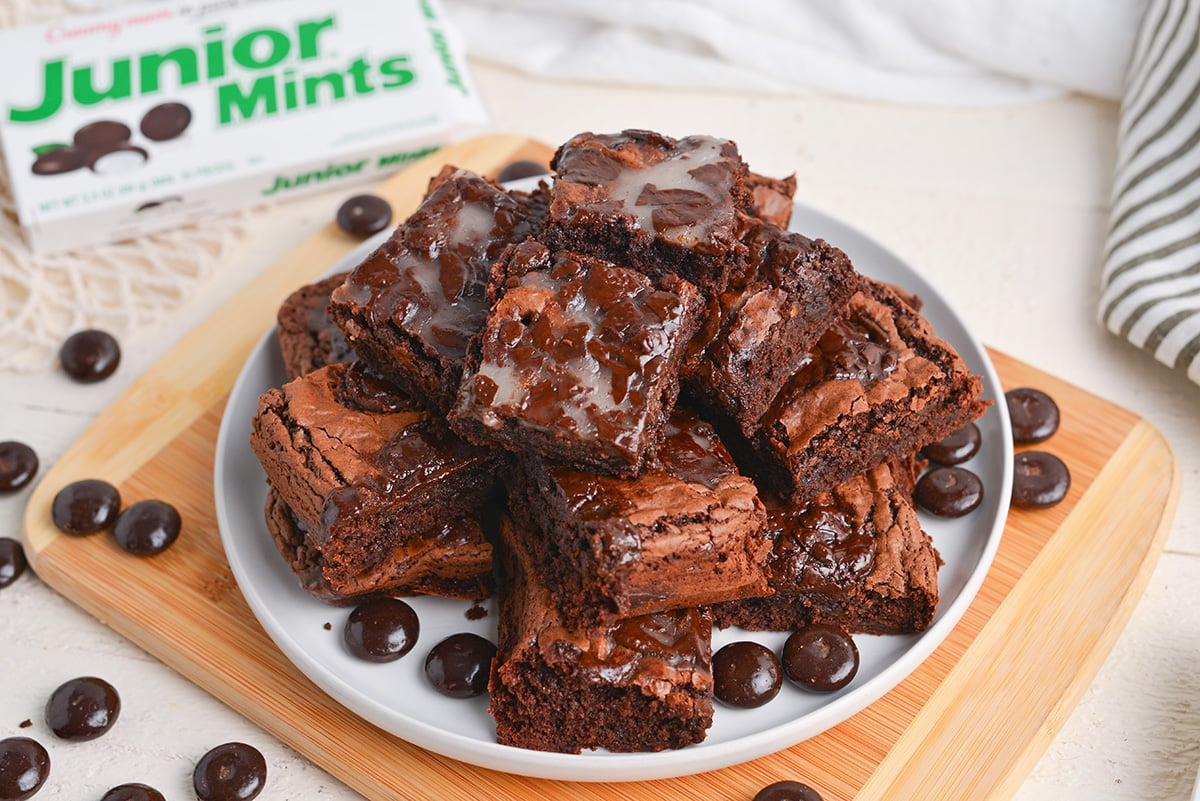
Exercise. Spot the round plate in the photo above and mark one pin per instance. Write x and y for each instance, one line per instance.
(396, 696)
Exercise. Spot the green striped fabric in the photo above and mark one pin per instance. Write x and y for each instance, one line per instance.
(1151, 283)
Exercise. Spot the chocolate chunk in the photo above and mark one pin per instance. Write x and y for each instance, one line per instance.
(1034, 414)
(18, 465)
(147, 528)
(1040, 479)
(89, 356)
(382, 630)
(133, 792)
(12, 561)
(102, 134)
(363, 215)
(787, 791)
(459, 665)
(85, 507)
(83, 709)
(59, 161)
(949, 491)
(516, 170)
(746, 674)
(230, 772)
(24, 766)
(956, 447)
(166, 121)
(820, 658)
(116, 159)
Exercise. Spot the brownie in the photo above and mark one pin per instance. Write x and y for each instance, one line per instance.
(578, 360)
(453, 561)
(854, 557)
(412, 305)
(795, 289)
(879, 385)
(308, 338)
(640, 684)
(771, 198)
(688, 531)
(656, 204)
(364, 480)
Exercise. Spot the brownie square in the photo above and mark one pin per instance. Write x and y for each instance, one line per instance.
(413, 305)
(578, 360)
(878, 386)
(640, 684)
(453, 561)
(362, 479)
(771, 198)
(795, 289)
(688, 531)
(308, 338)
(656, 204)
(854, 557)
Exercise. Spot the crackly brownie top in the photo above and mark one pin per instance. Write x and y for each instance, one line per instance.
(580, 345)
(862, 533)
(881, 351)
(430, 278)
(681, 191)
(692, 476)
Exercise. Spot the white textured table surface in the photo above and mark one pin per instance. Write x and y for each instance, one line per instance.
(1003, 210)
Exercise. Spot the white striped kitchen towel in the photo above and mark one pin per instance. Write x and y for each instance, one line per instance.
(1151, 281)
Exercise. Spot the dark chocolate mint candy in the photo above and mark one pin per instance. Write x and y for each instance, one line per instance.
(102, 133)
(59, 161)
(166, 121)
(746, 674)
(517, 170)
(83, 708)
(1033, 413)
(230, 772)
(956, 447)
(147, 528)
(820, 658)
(363, 215)
(1040, 479)
(459, 665)
(90, 356)
(787, 791)
(381, 630)
(133, 792)
(85, 507)
(949, 491)
(116, 159)
(24, 766)
(18, 465)
(12, 561)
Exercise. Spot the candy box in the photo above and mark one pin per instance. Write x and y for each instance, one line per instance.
(149, 116)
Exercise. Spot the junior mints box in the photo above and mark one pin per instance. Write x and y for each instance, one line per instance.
(152, 115)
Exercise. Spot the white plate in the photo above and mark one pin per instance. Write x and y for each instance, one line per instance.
(396, 696)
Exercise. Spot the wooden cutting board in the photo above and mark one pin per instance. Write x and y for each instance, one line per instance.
(967, 725)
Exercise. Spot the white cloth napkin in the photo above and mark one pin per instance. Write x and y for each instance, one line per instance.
(942, 52)
(1151, 276)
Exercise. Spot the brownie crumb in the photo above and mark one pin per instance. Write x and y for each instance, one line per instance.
(26, 723)
(477, 612)
(328, 626)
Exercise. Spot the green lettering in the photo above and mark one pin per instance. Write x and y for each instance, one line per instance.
(86, 93)
(358, 71)
(308, 32)
(336, 82)
(278, 46)
(396, 72)
(402, 157)
(214, 51)
(231, 97)
(52, 96)
(150, 64)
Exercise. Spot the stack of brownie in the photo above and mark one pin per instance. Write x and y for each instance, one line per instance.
(638, 397)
